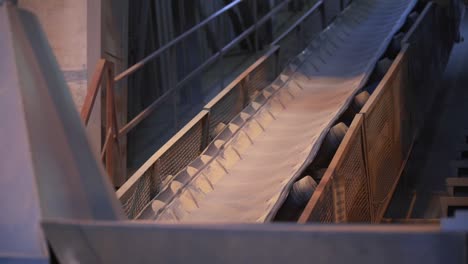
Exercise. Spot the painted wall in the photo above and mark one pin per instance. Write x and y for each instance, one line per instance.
(73, 29)
(65, 25)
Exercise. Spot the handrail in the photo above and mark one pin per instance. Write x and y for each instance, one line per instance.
(241, 78)
(299, 21)
(93, 89)
(173, 42)
(184, 35)
(148, 110)
(127, 189)
(113, 132)
(206, 109)
(111, 142)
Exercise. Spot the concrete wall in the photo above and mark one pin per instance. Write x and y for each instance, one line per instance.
(73, 29)
(80, 32)
(65, 25)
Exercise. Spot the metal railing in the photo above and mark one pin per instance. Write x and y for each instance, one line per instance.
(362, 177)
(151, 178)
(111, 149)
(104, 73)
(183, 149)
(147, 111)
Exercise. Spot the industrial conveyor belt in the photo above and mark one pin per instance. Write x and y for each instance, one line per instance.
(250, 175)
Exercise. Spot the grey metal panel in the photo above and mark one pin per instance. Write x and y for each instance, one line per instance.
(20, 233)
(22, 260)
(457, 223)
(131, 242)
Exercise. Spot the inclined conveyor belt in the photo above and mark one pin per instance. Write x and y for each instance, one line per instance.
(253, 163)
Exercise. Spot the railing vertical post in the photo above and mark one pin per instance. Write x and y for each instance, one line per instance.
(323, 15)
(300, 37)
(173, 83)
(92, 91)
(205, 123)
(370, 200)
(175, 109)
(277, 62)
(110, 158)
(120, 174)
(244, 92)
(223, 72)
(255, 17)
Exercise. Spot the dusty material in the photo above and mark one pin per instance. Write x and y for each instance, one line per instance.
(252, 165)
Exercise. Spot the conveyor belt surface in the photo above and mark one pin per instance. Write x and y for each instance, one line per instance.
(251, 167)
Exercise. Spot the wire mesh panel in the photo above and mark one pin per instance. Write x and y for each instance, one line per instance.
(352, 173)
(230, 101)
(180, 153)
(261, 77)
(343, 194)
(323, 208)
(363, 175)
(398, 107)
(174, 156)
(225, 108)
(187, 145)
(383, 138)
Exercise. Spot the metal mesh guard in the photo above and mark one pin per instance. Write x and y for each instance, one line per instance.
(345, 195)
(352, 172)
(324, 210)
(226, 109)
(173, 160)
(383, 143)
